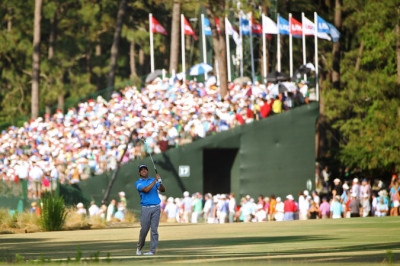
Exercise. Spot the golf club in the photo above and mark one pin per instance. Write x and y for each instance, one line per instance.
(155, 169)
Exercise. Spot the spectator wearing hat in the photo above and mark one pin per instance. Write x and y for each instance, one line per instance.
(336, 210)
(289, 208)
(337, 186)
(354, 206)
(171, 209)
(36, 174)
(355, 188)
(122, 198)
(304, 205)
(187, 207)
(222, 209)
(303, 88)
(81, 209)
(94, 210)
(279, 210)
(148, 188)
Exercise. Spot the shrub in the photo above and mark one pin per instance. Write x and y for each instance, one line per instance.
(53, 213)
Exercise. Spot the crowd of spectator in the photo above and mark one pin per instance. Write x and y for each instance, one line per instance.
(89, 139)
(343, 200)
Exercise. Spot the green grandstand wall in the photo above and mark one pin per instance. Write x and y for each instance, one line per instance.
(275, 155)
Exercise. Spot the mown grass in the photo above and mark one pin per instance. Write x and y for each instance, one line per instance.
(372, 241)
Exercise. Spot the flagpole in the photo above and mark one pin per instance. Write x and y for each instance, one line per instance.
(304, 43)
(316, 55)
(228, 52)
(290, 45)
(279, 45)
(251, 49)
(264, 50)
(204, 44)
(241, 44)
(151, 42)
(183, 47)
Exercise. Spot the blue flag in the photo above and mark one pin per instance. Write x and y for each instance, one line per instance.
(322, 25)
(207, 27)
(335, 34)
(283, 26)
(245, 26)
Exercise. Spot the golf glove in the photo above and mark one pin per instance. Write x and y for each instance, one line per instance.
(159, 181)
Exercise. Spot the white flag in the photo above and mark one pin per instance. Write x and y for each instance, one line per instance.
(309, 29)
(269, 26)
(231, 31)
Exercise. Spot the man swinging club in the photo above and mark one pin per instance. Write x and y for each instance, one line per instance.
(150, 202)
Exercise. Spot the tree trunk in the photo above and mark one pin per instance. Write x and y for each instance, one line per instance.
(60, 102)
(336, 46)
(36, 59)
(132, 62)
(9, 20)
(114, 48)
(175, 30)
(398, 58)
(359, 55)
(141, 61)
(219, 42)
(99, 83)
(52, 37)
(398, 61)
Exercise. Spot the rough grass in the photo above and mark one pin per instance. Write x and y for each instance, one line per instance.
(372, 241)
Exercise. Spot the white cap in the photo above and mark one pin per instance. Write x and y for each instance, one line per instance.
(278, 199)
(337, 180)
(122, 194)
(290, 197)
(80, 205)
(354, 195)
(345, 187)
(186, 194)
(306, 193)
(355, 180)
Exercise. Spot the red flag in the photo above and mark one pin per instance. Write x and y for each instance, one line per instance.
(295, 27)
(156, 27)
(187, 29)
(256, 28)
(217, 25)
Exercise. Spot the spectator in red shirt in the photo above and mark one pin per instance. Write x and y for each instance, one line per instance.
(289, 208)
(266, 108)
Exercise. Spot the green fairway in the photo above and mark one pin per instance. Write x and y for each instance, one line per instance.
(357, 240)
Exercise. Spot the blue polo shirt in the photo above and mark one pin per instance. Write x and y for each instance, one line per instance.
(151, 197)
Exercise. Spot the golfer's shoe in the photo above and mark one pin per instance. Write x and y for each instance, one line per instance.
(149, 254)
(138, 252)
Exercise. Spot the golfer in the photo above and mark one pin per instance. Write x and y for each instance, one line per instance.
(150, 202)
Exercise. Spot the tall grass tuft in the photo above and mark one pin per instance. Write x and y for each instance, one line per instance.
(53, 213)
